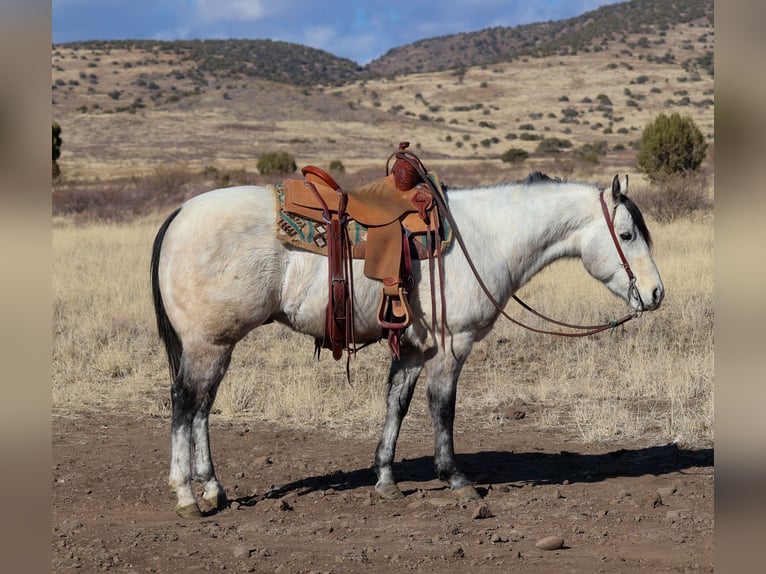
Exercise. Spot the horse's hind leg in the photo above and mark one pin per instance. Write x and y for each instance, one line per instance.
(401, 383)
(213, 493)
(442, 372)
(192, 394)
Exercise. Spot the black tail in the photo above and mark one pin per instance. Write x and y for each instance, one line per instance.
(173, 345)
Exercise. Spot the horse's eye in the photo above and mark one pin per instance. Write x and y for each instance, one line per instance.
(627, 236)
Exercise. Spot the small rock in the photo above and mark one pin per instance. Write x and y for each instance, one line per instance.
(498, 539)
(666, 491)
(441, 502)
(242, 551)
(458, 553)
(622, 495)
(654, 499)
(482, 511)
(550, 543)
(235, 505)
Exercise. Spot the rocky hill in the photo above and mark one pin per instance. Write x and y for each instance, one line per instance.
(300, 65)
(573, 89)
(589, 32)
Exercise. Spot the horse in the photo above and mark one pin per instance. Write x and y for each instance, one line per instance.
(219, 271)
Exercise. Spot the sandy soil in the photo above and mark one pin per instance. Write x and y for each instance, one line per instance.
(303, 501)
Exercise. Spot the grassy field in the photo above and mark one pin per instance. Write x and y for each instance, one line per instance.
(651, 380)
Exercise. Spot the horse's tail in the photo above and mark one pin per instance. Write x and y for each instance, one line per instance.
(173, 345)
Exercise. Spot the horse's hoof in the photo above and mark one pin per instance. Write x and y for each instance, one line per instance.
(467, 493)
(189, 511)
(389, 492)
(219, 501)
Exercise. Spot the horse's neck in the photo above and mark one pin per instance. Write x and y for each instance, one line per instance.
(523, 227)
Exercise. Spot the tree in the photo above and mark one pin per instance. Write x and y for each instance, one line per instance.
(56, 171)
(276, 163)
(671, 145)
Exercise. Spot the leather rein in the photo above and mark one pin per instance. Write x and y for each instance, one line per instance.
(585, 330)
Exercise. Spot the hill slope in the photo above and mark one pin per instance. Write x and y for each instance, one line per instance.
(591, 31)
(300, 65)
(128, 108)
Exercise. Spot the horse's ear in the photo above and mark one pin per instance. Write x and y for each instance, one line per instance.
(616, 188)
(625, 185)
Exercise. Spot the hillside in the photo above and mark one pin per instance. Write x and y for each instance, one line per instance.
(303, 66)
(201, 60)
(129, 108)
(590, 32)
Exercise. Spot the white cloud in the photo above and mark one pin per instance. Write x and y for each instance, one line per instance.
(207, 11)
(322, 37)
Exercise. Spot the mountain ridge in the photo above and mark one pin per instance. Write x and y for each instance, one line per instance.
(301, 65)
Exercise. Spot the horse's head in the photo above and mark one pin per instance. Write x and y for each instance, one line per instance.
(621, 257)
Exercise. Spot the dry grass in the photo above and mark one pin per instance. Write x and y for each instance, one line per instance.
(651, 380)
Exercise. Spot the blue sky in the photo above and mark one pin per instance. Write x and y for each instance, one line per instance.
(360, 30)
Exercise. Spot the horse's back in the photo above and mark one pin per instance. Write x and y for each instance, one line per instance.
(220, 265)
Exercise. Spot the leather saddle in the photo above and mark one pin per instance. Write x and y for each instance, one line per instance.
(393, 209)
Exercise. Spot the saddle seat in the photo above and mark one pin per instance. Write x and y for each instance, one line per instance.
(391, 215)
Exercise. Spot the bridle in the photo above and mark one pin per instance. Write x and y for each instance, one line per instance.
(584, 330)
(632, 288)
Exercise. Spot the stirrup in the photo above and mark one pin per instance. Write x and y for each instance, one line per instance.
(394, 311)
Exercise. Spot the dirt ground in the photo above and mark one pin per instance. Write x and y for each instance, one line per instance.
(303, 501)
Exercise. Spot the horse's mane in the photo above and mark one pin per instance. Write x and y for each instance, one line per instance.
(538, 177)
(638, 218)
(635, 212)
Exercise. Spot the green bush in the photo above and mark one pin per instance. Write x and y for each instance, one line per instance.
(337, 166)
(514, 155)
(671, 144)
(276, 163)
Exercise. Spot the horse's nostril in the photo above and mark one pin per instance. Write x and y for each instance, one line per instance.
(657, 295)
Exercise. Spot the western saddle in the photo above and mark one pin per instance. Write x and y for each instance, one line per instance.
(394, 209)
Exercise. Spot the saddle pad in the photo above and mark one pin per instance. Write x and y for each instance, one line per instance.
(309, 235)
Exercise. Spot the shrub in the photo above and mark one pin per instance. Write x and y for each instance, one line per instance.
(552, 145)
(514, 155)
(592, 152)
(569, 113)
(675, 196)
(337, 166)
(276, 163)
(671, 144)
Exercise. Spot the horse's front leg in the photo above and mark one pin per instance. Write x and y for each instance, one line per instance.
(401, 383)
(442, 372)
